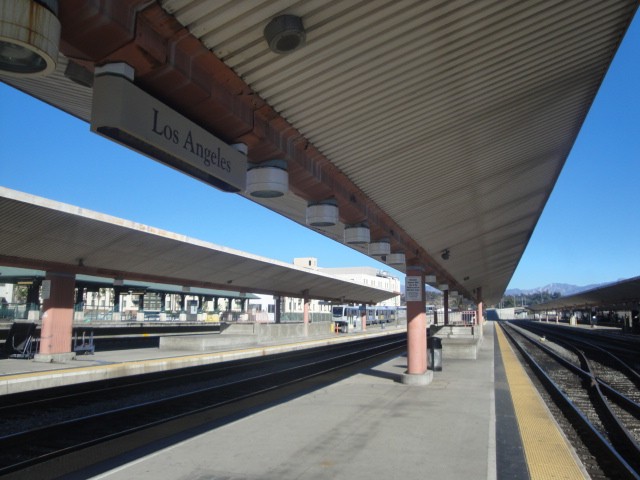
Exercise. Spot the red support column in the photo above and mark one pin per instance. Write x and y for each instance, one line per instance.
(417, 373)
(57, 319)
(363, 317)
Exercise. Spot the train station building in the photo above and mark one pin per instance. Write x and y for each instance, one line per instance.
(426, 135)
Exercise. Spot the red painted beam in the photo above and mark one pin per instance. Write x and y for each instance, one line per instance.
(180, 71)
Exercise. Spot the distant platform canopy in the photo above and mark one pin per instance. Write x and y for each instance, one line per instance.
(42, 234)
(617, 296)
(25, 276)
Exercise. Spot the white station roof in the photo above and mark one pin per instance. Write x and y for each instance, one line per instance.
(48, 235)
(442, 125)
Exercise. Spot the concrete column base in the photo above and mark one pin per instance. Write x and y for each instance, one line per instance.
(418, 379)
(54, 357)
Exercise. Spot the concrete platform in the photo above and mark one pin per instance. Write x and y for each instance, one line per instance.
(459, 342)
(367, 426)
(20, 375)
(248, 334)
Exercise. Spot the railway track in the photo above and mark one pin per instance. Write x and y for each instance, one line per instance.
(595, 390)
(108, 337)
(67, 429)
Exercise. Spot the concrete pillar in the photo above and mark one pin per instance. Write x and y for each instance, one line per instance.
(215, 303)
(417, 373)
(33, 300)
(57, 320)
(445, 303)
(634, 319)
(305, 312)
(278, 301)
(479, 315)
(79, 298)
(363, 317)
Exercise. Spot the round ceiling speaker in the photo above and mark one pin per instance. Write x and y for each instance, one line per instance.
(285, 33)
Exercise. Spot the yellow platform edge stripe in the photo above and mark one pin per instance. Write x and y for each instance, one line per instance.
(548, 453)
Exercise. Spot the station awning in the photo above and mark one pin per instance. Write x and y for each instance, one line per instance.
(442, 126)
(47, 235)
(618, 295)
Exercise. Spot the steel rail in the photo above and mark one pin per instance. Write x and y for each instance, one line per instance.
(579, 346)
(627, 346)
(54, 460)
(619, 436)
(86, 391)
(609, 457)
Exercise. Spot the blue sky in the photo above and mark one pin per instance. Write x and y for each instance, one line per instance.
(588, 233)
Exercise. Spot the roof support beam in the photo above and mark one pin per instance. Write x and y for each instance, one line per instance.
(174, 66)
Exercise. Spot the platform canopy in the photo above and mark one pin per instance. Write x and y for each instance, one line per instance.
(440, 126)
(27, 276)
(47, 235)
(621, 295)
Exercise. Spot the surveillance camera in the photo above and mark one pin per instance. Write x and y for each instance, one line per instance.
(445, 254)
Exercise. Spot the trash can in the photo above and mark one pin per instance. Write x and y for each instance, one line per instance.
(434, 347)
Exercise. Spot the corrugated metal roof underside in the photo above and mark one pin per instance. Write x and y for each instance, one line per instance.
(51, 233)
(455, 117)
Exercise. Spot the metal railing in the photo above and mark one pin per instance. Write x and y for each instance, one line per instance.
(33, 312)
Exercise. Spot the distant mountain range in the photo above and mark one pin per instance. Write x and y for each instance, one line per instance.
(563, 289)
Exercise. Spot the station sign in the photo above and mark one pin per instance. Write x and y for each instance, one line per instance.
(45, 291)
(126, 114)
(413, 289)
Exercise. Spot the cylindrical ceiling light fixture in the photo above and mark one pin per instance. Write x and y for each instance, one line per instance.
(285, 33)
(268, 179)
(29, 37)
(357, 234)
(322, 214)
(118, 69)
(430, 279)
(396, 258)
(241, 147)
(380, 248)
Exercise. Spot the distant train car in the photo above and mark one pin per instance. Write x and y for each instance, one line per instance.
(381, 315)
(349, 318)
(346, 317)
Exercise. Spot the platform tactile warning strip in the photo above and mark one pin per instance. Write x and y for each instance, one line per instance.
(548, 454)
